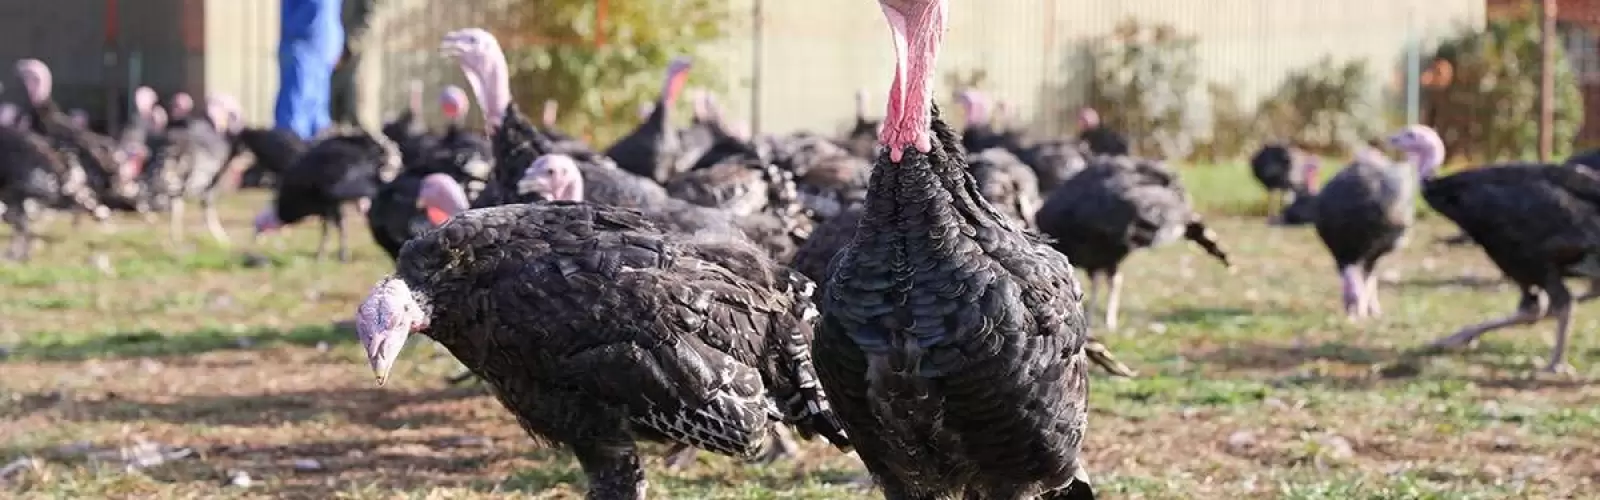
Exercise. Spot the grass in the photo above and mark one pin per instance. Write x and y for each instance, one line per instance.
(1252, 385)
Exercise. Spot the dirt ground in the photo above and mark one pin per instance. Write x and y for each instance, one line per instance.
(246, 382)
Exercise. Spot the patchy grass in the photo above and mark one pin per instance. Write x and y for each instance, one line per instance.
(1252, 385)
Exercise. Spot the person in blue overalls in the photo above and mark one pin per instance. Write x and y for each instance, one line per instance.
(311, 40)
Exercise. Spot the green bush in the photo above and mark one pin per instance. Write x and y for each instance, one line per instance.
(1141, 81)
(1233, 127)
(601, 85)
(1488, 110)
(1325, 106)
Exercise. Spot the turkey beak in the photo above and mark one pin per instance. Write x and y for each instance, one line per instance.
(383, 323)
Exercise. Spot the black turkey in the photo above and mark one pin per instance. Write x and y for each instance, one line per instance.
(1097, 137)
(441, 178)
(34, 176)
(1117, 205)
(344, 167)
(189, 160)
(1538, 223)
(862, 138)
(1303, 209)
(1277, 168)
(112, 171)
(1363, 213)
(597, 329)
(952, 340)
(1008, 184)
(652, 149)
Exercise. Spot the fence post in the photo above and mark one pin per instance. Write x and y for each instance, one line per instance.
(755, 67)
(1413, 68)
(1547, 79)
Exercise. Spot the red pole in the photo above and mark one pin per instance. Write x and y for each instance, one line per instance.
(600, 23)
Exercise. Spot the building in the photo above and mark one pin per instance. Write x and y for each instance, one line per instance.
(813, 55)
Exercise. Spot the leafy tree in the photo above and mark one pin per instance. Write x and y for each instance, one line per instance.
(1142, 82)
(1487, 108)
(600, 59)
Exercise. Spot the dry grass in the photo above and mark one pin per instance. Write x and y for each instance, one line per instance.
(1252, 386)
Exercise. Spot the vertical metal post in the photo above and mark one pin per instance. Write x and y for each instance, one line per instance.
(1547, 80)
(1413, 69)
(111, 46)
(755, 67)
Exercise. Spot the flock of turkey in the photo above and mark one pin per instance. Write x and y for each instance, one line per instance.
(906, 291)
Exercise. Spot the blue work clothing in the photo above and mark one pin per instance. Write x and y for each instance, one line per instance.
(309, 45)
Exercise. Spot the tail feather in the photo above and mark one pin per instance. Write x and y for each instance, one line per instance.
(1197, 232)
(808, 409)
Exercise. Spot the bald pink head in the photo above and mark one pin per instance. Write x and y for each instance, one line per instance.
(484, 65)
(453, 103)
(158, 117)
(80, 118)
(1422, 146)
(182, 105)
(8, 114)
(441, 198)
(385, 320)
(144, 100)
(1088, 118)
(917, 28)
(975, 106)
(555, 177)
(219, 109)
(36, 79)
(1310, 169)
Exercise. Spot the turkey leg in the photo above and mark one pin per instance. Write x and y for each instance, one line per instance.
(1113, 297)
(1561, 308)
(614, 471)
(175, 220)
(208, 206)
(1527, 314)
(1351, 281)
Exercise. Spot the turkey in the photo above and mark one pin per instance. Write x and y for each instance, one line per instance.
(111, 171)
(33, 175)
(408, 130)
(598, 329)
(1538, 223)
(862, 139)
(344, 167)
(1363, 214)
(952, 340)
(829, 178)
(1098, 138)
(1053, 160)
(1117, 205)
(586, 176)
(548, 119)
(273, 149)
(1008, 184)
(189, 160)
(1277, 168)
(652, 149)
(425, 192)
(9, 114)
(1303, 210)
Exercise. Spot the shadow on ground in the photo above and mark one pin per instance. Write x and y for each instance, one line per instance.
(370, 406)
(151, 343)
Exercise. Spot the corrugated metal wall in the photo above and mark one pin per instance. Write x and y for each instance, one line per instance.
(815, 53)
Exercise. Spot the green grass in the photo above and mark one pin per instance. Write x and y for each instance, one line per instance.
(1252, 385)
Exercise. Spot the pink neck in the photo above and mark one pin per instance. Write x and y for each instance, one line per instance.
(492, 85)
(673, 86)
(550, 110)
(414, 99)
(917, 38)
(571, 189)
(1427, 162)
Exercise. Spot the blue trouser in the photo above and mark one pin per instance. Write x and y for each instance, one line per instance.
(304, 89)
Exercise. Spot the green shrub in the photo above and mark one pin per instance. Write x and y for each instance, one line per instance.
(600, 86)
(1488, 109)
(1325, 106)
(1142, 80)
